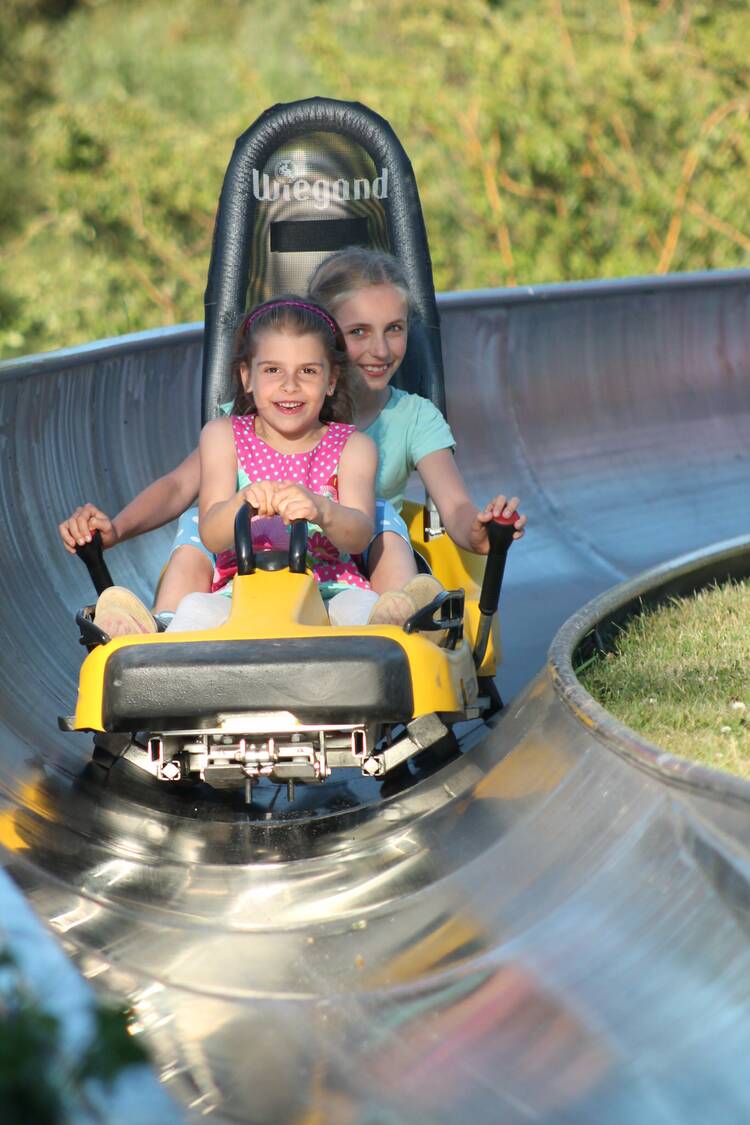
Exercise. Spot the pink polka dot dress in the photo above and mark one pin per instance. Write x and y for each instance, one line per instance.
(317, 470)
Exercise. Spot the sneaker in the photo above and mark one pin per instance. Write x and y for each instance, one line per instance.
(422, 590)
(119, 613)
(393, 607)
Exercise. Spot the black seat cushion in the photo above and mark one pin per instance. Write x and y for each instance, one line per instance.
(319, 679)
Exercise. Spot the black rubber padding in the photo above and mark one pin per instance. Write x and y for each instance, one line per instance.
(318, 679)
(306, 236)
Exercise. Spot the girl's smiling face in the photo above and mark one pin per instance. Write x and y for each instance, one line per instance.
(374, 321)
(289, 377)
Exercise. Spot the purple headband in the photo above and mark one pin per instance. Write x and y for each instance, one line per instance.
(271, 305)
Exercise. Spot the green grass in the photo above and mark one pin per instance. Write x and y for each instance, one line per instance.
(680, 676)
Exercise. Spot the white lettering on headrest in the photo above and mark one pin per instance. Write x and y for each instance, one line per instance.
(320, 192)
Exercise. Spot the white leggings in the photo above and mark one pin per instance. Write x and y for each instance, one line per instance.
(207, 611)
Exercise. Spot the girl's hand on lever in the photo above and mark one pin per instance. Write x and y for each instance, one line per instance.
(295, 502)
(262, 496)
(495, 508)
(79, 528)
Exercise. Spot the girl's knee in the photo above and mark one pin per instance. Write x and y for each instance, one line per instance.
(393, 540)
(390, 562)
(190, 558)
(390, 545)
(188, 569)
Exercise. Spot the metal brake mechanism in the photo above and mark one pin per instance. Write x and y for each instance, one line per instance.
(234, 754)
(421, 733)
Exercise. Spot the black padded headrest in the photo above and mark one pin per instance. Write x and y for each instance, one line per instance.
(308, 178)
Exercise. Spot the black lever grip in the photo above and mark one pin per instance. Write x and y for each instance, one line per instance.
(243, 542)
(500, 532)
(298, 547)
(243, 539)
(93, 555)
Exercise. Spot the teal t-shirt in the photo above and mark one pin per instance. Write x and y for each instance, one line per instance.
(406, 430)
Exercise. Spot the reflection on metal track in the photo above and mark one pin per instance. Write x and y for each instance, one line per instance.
(541, 930)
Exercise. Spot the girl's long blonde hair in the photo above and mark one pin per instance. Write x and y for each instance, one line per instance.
(345, 272)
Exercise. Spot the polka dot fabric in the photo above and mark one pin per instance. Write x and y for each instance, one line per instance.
(317, 470)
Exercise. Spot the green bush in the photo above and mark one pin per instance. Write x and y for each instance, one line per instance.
(552, 140)
(39, 1082)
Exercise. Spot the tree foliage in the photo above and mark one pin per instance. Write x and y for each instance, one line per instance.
(552, 140)
(40, 1081)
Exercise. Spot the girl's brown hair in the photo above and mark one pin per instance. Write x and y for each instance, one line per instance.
(296, 316)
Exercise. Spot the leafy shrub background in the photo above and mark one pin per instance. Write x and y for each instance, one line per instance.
(552, 139)
(41, 1082)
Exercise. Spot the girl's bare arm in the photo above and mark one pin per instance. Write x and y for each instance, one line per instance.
(162, 501)
(463, 521)
(219, 499)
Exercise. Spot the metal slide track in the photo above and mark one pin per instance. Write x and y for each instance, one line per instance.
(545, 929)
